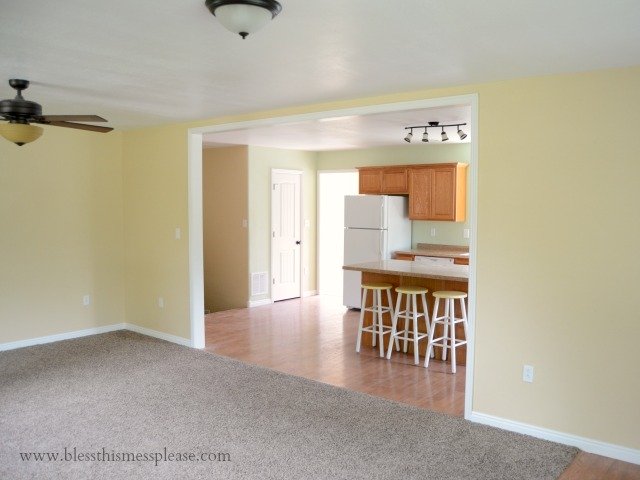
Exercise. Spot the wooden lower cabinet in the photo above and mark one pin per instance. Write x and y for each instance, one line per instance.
(433, 285)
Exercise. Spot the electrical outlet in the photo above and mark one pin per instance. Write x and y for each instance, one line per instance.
(178, 233)
(245, 223)
(433, 232)
(527, 374)
(466, 233)
(86, 300)
(160, 302)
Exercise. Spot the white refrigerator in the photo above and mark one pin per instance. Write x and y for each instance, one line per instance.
(375, 226)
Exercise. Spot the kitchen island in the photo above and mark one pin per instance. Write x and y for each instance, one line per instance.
(405, 273)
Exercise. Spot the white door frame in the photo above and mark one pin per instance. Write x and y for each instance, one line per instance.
(196, 275)
(302, 228)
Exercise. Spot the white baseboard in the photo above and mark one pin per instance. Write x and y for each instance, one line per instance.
(588, 445)
(259, 303)
(94, 331)
(161, 335)
(61, 336)
(309, 293)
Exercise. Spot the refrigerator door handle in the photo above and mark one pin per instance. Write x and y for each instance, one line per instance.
(380, 246)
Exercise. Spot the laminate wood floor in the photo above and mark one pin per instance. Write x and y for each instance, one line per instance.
(315, 338)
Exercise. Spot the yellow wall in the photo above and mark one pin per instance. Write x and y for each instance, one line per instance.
(447, 233)
(225, 200)
(261, 161)
(557, 232)
(155, 200)
(61, 234)
(557, 264)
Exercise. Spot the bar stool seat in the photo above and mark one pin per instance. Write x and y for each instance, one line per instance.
(377, 328)
(449, 320)
(410, 315)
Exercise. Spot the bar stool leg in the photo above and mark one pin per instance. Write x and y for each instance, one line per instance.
(463, 308)
(394, 328)
(453, 334)
(427, 323)
(430, 353)
(406, 325)
(380, 324)
(361, 324)
(445, 338)
(414, 301)
(374, 318)
(392, 314)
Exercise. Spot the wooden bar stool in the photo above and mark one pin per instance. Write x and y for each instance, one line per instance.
(410, 315)
(377, 310)
(448, 321)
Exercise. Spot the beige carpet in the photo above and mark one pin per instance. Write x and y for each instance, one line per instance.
(127, 394)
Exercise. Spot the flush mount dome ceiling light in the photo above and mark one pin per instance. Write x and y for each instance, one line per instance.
(244, 17)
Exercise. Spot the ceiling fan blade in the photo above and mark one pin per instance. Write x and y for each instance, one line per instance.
(71, 118)
(81, 126)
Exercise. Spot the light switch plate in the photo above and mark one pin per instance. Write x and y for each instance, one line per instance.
(466, 233)
(86, 300)
(527, 374)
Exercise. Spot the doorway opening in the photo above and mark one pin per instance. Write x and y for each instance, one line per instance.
(329, 119)
(333, 186)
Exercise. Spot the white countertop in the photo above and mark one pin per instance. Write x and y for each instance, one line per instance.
(405, 268)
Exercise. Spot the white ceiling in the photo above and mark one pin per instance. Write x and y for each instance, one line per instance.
(149, 62)
(350, 132)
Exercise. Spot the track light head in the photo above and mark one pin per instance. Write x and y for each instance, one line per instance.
(461, 134)
(425, 136)
(409, 136)
(444, 135)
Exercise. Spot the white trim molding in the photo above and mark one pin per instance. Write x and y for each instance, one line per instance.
(586, 444)
(309, 293)
(29, 342)
(161, 335)
(259, 303)
(61, 336)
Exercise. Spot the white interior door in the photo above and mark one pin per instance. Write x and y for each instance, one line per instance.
(285, 234)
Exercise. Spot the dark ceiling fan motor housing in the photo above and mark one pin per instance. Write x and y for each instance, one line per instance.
(19, 110)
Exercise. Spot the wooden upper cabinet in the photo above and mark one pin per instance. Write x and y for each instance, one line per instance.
(370, 180)
(420, 193)
(394, 180)
(438, 192)
(383, 180)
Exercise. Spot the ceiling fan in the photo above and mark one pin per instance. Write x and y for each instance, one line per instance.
(21, 113)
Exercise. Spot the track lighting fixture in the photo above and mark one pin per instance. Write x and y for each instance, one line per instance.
(409, 136)
(443, 134)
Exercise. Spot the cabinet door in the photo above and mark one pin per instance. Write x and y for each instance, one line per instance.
(394, 180)
(420, 193)
(443, 199)
(370, 180)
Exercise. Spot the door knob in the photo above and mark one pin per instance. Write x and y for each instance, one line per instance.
(298, 242)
